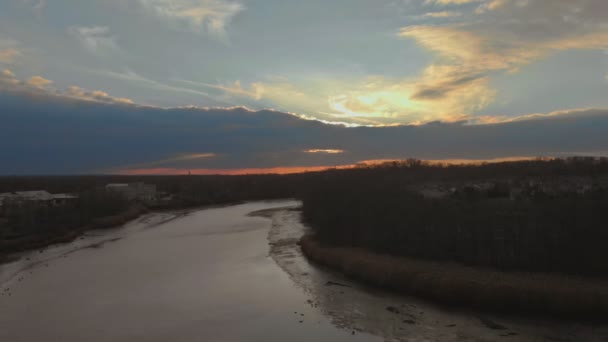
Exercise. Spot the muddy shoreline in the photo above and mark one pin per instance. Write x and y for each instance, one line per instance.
(361, 307)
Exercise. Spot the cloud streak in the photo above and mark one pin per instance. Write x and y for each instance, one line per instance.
(327, 151)
(211, 16)
(9, 51)
(38, 86)
(97, 40)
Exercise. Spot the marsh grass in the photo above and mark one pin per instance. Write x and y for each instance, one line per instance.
(455, 284)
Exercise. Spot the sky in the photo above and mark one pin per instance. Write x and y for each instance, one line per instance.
(240, 86)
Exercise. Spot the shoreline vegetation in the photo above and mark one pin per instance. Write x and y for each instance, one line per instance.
(465, 286)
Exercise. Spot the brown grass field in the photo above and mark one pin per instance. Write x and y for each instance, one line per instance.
(455, 284)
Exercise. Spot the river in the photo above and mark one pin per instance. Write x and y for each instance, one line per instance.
(222, 274)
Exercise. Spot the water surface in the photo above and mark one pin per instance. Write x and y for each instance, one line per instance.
(223, 275)
(206, 276)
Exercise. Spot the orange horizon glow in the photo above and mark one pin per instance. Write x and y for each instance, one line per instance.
(285, 170)
(231, 172)
(451, 161)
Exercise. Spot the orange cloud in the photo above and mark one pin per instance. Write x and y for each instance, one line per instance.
(38, 85)
(443, 14)
(96, 96)
(9, 55)
(39, 81)
(328, 151)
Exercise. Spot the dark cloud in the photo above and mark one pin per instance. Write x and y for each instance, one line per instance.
(43, 134)
(443, 88)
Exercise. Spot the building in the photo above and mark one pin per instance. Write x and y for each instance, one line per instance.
(6, 198)
(62, 199)
(34, 196)
(40, 197)
(134, 191)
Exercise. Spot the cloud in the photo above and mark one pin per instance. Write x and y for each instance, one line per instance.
(504, 36)
(442, 14)
(170, 161)
(445, 86)
(37, 5)
(96, 39)
(38, 86)
(526, 21)
(468, 56)
(135, 78)
(40, 5)
(255, 92)
(56, 134)
(9, 55)
(469, 51)
(95, 95)
(450, 2)
(327, 151)
(493, 5)
(375, 100)
(39, 82)
(7, 77)
(211, 16)
(9, 51)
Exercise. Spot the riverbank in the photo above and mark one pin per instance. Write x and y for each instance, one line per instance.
(454, 284)
(9, 247)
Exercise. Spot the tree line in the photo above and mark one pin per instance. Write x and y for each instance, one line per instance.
(376, 209)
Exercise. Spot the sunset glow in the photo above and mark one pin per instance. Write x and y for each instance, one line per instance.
(228, 85)
(302, 169)
(233, 172)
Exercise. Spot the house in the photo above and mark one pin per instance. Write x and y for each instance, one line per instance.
(6, 198)
(34, 196)
(134, 191)
(41, 197)
(63, 199)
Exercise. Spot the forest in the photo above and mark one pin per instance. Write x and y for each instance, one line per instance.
(546, 228)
